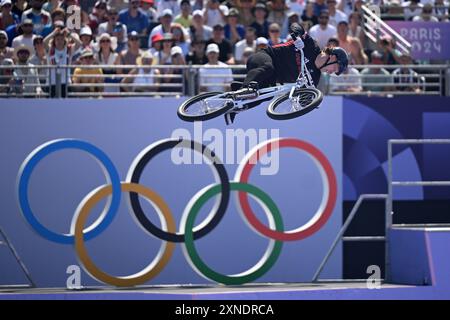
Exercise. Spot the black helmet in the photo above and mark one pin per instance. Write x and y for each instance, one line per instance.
(341, 58)
(296, 30)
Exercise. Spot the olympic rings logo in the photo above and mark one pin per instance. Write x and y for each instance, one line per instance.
(188, 232)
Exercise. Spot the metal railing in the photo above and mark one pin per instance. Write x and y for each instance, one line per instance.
(187, 80)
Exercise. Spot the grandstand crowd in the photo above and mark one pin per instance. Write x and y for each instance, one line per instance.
(142, 33)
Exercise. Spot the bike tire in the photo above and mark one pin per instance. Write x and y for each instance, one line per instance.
(184, 115)
(315, 98)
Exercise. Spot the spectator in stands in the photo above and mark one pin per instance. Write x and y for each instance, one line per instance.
(133, 51)
(214, 13)
(406, 78)
(156, 44)
(427, 14)
(382, 80)
(349, 81)
(149, 9)
(278, 12)
(185, 17)
(7, 17)
(441, 10)
(165, 18)
(234, 31)
(248, 42)
(292, 17)
(309, 15)
(336, 15)
(40, 58)
(261, 24)
(241, 73)
(172, 5)
(27, 76)
(198, 5)
(319, 6)
(5, 51)
(27, 36)
(115, 28)
(395, 11)
(51, 5)
(354, 28)
(214, 79)
(246, 17)
(356, 52)
(411, 9)
(179, 38)
(61, 45)
(86, 42)
(197, 55)
(7, 76)
(333, 42)
(145, 80)
(134, 18)
(390, 54)
(198, 29)
(39, 18)
(342, 35)
(177, 57)
(19, 7)
(346, 6)
(274, 34)
(323, 31)
(107, 55)
(119, 4)
(261, 43)
(88, 76)
(226, 49)
(296, 6)
(57, 15)
(99, 15)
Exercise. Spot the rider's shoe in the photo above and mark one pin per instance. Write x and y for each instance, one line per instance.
(249, 91)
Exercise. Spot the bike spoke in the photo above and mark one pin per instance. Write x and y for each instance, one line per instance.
(205, 106)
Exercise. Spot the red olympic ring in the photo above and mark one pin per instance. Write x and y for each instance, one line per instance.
(326, 208)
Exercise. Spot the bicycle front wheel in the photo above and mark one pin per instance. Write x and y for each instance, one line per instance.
(303, 100)
(204, 107)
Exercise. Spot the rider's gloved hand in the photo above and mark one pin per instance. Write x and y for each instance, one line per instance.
(299, 44)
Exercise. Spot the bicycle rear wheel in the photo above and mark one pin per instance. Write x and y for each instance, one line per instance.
(200, 108)
(303, 100)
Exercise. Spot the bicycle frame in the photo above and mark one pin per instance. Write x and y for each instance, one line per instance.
(304, 80)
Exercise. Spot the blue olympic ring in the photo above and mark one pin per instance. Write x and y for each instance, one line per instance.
(111, 174)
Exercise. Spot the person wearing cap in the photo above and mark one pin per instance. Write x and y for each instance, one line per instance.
(248, 42)
(261, 24)
(198, 29)
(25, 71)
(7, 17)
(107, 55)
(164, 56)
(261, 43)
(215, 13)
(336, 15)
(172, 5)
(39, 17)
(185, 17)
(373, 84)
(27, 36)
(115, 28)
(214, 79)
(145, 77)
(166, 19)
(226, 49)
(234, 31)
(323, 31)
(176, 59)
(148, 6)
(5, 51)
(156, 43)
(197, 54)
(134, 18)
(133, 51)
(87, 76)
(58, 16)
(275, 34)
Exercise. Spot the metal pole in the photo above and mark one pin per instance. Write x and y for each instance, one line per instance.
(388, 216)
